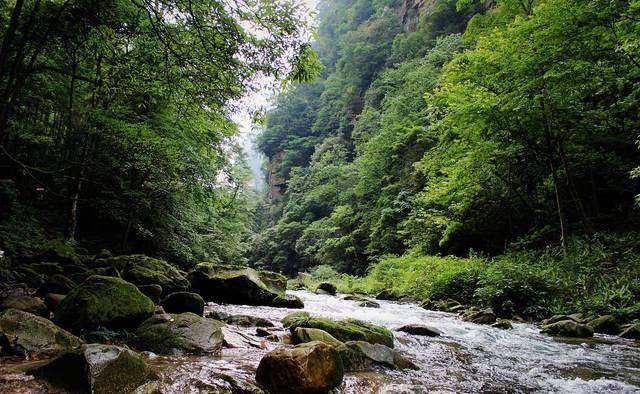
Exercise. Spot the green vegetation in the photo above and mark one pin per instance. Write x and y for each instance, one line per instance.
(479, 151)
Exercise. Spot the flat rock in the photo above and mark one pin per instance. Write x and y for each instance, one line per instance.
(363, 356)
(421, 330)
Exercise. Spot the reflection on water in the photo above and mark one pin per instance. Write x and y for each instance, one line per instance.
(468, 358)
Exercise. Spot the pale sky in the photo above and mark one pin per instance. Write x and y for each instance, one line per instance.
(249, 104)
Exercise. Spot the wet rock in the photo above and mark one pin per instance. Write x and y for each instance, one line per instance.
(288, 301)
(311, 368)
(143, 270)
(29, 277)
(29, 335)
(440, 305)
(182, 302)
(236, 284)
(53, 301)
(304, 335)
(355, 297)
(175, 334)
(387, 295)
(369, 304)
(631, 332)
(503, 324)
(343, 330)
(152, 291)
(568, 328)
(262, 332)
(47, 268)
(103, 301)
(58, 284)
(363, 356)
(236, 339)
(326, 288)
(605, 325)
(97, 369)
(456, 309)
(24, 303)
(418, 329)
(558, 318)
(485, 316)
(247, 321)
(217, 315)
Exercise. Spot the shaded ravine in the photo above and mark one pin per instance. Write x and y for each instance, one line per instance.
(468, 358)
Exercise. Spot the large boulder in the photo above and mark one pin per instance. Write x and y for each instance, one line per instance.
(97, 369)
(363, 356)
(420, 330)
(143, 270)
(326, 288)
(631, 332)
(24, 303)
(175, 334)
(33, 336)
(568, 328)
(304, 335)
(103, 301)
(343, 330)
(605, 325)
(233, 284)
(313, 367)
(182, 301)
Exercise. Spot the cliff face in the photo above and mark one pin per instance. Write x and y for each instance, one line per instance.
(277, 184)
(409, 13)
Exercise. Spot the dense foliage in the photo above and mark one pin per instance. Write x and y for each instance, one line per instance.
(114, 120)
(464, 128)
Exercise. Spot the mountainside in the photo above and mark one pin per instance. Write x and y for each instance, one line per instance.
(444, 127)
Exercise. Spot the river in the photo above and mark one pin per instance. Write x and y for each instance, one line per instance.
(467, 358)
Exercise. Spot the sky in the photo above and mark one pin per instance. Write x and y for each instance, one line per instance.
(248, 105)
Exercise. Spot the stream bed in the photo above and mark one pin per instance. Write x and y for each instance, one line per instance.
(467, 358)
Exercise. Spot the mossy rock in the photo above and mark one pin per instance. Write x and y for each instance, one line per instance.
(568, 328)
(31, 336)
(311, 368)
(503, 324)
(28, 276)
(97, 369)
(234, 284)
(183, 333)
(327, 288)
(24, 303)
(343, 330)
(143, 270)
(363, 356)
(288, 301)
(183, 301)
(104, 301)
(304, 335)
(605, 325)
(59, 251)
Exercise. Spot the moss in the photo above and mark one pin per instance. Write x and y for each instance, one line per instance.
(104, 301)
(343, 330)
(144, 270)
(58, 250)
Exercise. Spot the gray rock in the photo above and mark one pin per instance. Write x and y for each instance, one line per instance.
(175, 334)
(363, 356)
(326, 288)
(24, 303)
(418, 329)
(568, 328)
(310, 368)
(485, 316)
(31, 336)
(605, 325)
(97, 369)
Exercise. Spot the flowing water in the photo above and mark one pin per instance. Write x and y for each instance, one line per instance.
(468, 358)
